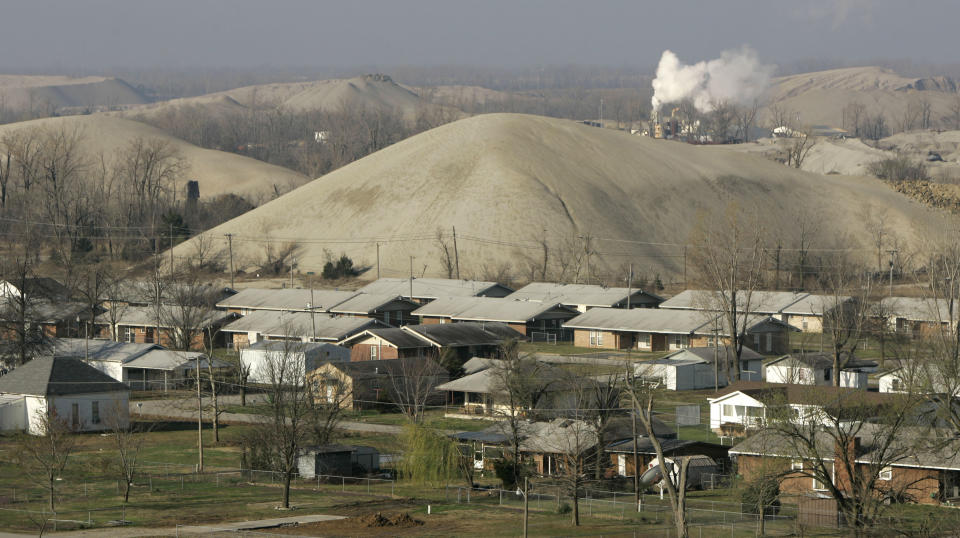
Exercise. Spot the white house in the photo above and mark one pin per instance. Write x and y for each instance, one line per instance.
(694, 368)
(746, 405)
(817, 369)
(87, 399)
(308, 356)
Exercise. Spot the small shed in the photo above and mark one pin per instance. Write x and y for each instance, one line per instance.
(338, 460)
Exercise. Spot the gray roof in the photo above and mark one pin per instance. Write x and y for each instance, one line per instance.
(705, 355)
(46, 376)
(56, 311)
(301, 324)
(578, 294)
(399, 338)
(490, 309)
(762, 302)
(482, 382)
(463, 334)
(432, 288)
(920, 309)
(130, 355)
(819, 361)
(292, 299)
(646, 320)
(146, 316)
(41, 288)
(311, 350)
(815, 305)
(144, 291)
(914, 447)
(369, 303)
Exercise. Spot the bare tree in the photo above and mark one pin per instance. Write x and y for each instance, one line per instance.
(853, 116)
(846, 311)
(19, 316)
(128, 440)
(601, 403)
(780, 116)
(798, 148)
(728, 256)
(413, 380)
(746, 116)
(447, 255)
(45, 456)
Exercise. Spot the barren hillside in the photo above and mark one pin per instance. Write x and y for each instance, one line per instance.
(21, 93)
(218, 172)
(509, 181)
(820, 97)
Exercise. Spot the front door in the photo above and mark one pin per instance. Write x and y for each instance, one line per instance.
(75, 415)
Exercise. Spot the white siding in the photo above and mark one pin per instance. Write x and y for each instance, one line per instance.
(736, 412)
(13, 413)
(111, 368)
(109, 404)
(799, 375)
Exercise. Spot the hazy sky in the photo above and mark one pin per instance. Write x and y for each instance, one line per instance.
(102, 34)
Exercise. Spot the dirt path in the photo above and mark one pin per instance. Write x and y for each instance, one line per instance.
(192, 530)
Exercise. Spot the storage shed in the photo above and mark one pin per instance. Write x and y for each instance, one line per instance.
(338, 460)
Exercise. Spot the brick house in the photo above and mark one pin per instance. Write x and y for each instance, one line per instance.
(303, 326)
(366, 384)
(803, 311)
(387, 343)
(654, 329)
(142, 325)
(526, 317)
(912, 473)
(467, 339)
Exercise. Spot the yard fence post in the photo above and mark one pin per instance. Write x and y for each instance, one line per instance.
(318, 481)
(343, 484)
(468, 495)
(181, 482)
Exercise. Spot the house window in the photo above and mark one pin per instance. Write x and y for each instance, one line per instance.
(769, 341)
(886, 473)
(129, 335)
(756, 341)
(826, 374)
(803, 324)
(95, 412)
(386, 318)
(643, 341)
(820, 486)
(399, 318)
(796, 465)
(728, 410)
(896, 384)
(374, 353)
(681, 341)
(75, 415)
(596, 338)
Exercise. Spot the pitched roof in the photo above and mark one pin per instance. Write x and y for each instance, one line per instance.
(291, 299)
(920, 309)
(144, 291)
(47, 376)
(432, 288)
(146, 316)
(367, 369)
(820, 361)
(488, 309)
(309, 349)
(464, 334)
(398, 338)
(577, 294)
(706, 355)
(778, 393)
(130, 355)
(301, 324)
(647, 320)
(369, 303)
(761, 302)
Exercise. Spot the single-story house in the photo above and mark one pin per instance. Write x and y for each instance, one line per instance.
(140, 324)
(743, 406)
(802, 310)
(259, 358)
(621, 453)
(695, 368)
(304, 326)
(919, 473)
(466, 339)
(337, 460)
(817, 369)
(366, 384)
(424, 290)
(145, 292)
(526, 317)
(283, 299)
(60, 319)
(389, 343)
(655, 329)
(918, 316)
(79, 394)
(35, 288)
(140, 366)
(392, 310)
(582, 297)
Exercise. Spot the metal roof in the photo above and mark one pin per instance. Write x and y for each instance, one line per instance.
(820, 361)
(399, 338)
(705, 355)
(300, 324)
(369, 303)
(312, 350)
(45, 376)
(100, 350)
(431, 288)
(646, 320)
(920, 309)
(292, 299)
(488, 309)
(763, 302)
(576, 294)
(463, 334)
(146, 316)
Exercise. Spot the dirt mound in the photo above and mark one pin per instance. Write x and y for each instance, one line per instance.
(508, 181)
(931, 194)
(402, 520)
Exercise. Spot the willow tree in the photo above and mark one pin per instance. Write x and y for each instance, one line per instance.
(429, 457)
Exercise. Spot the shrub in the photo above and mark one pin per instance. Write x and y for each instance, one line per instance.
(564, 508)
(899, 168)
(341, 268)
(506, 469)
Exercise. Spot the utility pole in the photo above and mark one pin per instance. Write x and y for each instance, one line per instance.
(171, 248)
(411, 278)
(776, 278)
(378, 260)
(199, 419)
(892, 253)
(716, 356)
(629, 285)
(230, 248)
(526, 504)
(313, 321)
(456, 253)
(684, 266)
(293, 262)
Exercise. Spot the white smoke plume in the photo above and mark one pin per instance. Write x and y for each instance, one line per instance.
(736, 76)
